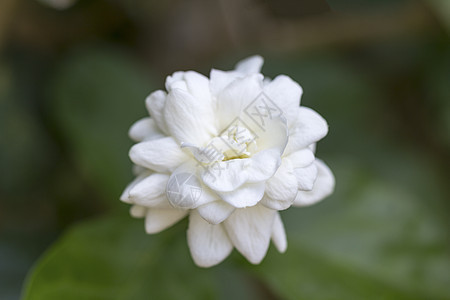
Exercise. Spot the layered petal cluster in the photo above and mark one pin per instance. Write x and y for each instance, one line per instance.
(229, 151)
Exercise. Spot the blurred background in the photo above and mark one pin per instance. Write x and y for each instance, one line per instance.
(74, 76)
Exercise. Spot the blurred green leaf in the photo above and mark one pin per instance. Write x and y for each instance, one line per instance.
(96, 96)
(113, 258)
(373, 239)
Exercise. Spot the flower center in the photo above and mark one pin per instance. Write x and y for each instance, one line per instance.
(236, 142)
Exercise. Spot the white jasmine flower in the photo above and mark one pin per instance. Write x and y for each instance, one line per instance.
(230, 151)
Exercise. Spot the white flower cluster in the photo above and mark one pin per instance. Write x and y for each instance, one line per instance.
(230, 151)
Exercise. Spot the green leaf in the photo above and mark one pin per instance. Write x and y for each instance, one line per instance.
(113, 258)
(373, 239)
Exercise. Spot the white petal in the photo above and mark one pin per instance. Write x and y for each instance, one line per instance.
(281, 189)
(249, 230)
(277, 204)
(198, 86)
(185, 190)
(221, 79)
(323, 186)
(308, 128)
(145, 129)
(162, 155)
(126, 193)
(312, 147)
(125, 197)
(273, 134)
(246, 195)
(285, 93)
(160, 201)
(158, 219)
(215, 212)
(226, 176)
(155, 103)
(233, 100)
(194, 83)
(138, 211)
(301, 158)
(209, 244)
(172, 79)
(229, 175)
(148, 189)
(189, 119)
(278, 234)
(250, 65)
(263, 165)
(306, 177)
